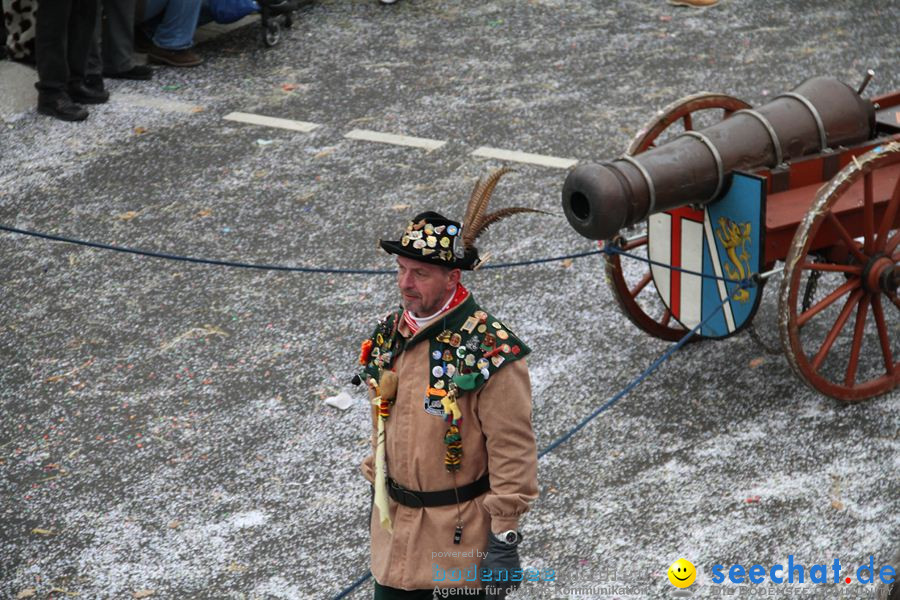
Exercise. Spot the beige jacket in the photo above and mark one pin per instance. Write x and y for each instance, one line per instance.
(497, 439)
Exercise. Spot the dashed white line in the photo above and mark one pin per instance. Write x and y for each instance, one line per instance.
(368, 135)
(525, 157)
(397, 140)
(252, 119)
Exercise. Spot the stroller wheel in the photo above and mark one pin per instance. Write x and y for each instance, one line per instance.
(271, 34)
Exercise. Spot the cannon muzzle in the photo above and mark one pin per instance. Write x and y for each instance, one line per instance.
(820, 114)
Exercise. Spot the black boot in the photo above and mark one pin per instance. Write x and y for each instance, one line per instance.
(61, 107)
(89, 91)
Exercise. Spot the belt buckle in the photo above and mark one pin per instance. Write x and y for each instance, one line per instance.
(410, 497)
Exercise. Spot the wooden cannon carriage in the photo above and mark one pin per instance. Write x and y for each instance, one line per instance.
(810, 180)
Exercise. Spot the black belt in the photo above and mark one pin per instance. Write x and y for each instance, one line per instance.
(415, 499)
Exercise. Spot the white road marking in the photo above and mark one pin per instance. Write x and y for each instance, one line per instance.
(163, 104)
(397, 140)
(525, 157)
(252, 119)
(428, 144)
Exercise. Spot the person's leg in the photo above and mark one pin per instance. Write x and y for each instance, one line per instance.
(118, 36)
(179, 21)
(82, 23)
(174, 35)
(3, 31)
(94, 64)
(84, 87)
(51, 45)
(147, 18)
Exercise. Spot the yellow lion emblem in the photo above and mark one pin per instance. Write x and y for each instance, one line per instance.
(734, 238)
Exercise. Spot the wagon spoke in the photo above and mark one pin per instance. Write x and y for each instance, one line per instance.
(868, 214)
(688, 122)
(892, 243)
(887, 221)
(826, 302)
(857, 341)
(641, 285)
(835, 330)
(849, 241)
(855, 270)
(636, 243)
(667, 317)
(878, 312)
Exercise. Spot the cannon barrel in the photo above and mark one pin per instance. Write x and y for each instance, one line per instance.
(821, 113)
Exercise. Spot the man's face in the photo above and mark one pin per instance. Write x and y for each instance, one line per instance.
(424, 287)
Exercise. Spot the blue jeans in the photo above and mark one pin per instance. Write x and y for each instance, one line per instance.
(171, 23)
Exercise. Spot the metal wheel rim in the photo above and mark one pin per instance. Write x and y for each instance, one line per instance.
(796, 265)
(624, 295)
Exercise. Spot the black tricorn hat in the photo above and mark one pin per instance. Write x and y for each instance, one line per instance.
(433, 238)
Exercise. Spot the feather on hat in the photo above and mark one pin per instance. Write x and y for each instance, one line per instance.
(432, 238)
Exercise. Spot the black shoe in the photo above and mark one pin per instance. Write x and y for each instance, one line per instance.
(62, 108)
(137, 72)
(94, 83)
(88, 92)
(142, 42)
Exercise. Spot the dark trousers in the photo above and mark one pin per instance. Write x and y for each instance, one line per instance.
(64, 33)
(389, 593)
(2, 35)
(113, 47)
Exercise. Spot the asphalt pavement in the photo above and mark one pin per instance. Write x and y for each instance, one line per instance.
(163, 425)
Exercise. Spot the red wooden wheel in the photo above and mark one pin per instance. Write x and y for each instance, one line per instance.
(632, 286)
(843, 338)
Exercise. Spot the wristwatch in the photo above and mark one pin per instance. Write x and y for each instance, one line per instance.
(509, 537)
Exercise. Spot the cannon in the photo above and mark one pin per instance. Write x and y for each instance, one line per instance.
(810, 180)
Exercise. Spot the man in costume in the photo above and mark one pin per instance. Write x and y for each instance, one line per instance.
(454, 463)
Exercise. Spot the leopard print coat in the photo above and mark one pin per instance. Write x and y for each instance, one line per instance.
(19, 18)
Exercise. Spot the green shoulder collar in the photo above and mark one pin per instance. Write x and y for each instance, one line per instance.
(466, 349)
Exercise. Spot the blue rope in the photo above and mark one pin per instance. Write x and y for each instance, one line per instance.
(612, 249)
(264, 267)
(539, 260)
(355, 585)
(600, 409)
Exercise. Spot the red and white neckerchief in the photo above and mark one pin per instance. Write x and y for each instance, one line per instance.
(458, 297)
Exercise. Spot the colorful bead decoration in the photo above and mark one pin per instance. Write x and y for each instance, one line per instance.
(453, 456)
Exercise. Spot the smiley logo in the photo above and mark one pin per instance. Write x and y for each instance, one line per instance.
(682, 573)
